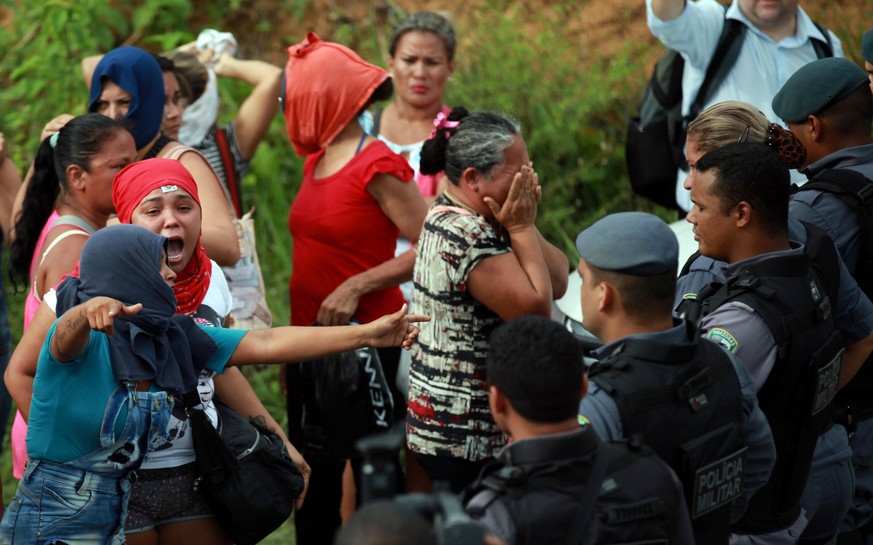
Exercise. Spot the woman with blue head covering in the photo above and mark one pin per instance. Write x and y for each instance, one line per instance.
(130, 82)
(109, 372)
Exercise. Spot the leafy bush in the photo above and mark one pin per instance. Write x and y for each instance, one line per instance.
(514, 58)
(571, 109)
(40, 76)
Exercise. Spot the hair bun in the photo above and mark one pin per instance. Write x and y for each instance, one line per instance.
(786, 145)
(458, 113)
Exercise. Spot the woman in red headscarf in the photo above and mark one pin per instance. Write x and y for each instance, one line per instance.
(161, 195)
(355, 200)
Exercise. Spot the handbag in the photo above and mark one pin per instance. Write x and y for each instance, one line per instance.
(345, 397)
(246, 474)
(246, 282)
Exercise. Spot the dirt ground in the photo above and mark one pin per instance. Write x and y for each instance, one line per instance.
(601, 28)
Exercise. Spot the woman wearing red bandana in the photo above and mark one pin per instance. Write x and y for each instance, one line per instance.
(355, 199)
(161, 195)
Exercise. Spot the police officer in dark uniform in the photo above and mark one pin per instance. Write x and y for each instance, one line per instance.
(556, 482)
(774, 311)
(691, 401)
(828, 97)
(829, 108)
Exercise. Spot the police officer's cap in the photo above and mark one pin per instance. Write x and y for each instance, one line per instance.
(867, 46)
(632, 243)
(815, 86)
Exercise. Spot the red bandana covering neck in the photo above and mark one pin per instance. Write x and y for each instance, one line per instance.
(193, 282)
(131, 186)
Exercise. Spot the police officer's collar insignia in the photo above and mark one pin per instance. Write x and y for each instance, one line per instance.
(723, 338)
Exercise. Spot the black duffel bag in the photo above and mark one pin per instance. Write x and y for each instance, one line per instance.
(248, 478)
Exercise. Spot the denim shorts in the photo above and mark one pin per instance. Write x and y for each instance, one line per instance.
(55, 502)
(162, 496)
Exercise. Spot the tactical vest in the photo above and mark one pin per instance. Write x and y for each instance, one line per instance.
(788, 293)
(575, 501)
(686, 403)
(855, 400)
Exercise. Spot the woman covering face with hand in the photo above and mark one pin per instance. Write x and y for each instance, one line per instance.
(481, 261)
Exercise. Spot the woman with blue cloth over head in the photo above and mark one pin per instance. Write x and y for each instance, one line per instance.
(109, 372)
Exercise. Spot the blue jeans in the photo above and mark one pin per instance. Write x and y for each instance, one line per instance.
(84, 501)
(75, 506)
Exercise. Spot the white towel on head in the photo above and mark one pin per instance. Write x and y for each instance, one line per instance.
(218, 42)
(200, 116)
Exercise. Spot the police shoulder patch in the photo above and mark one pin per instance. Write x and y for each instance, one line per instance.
(723, 338)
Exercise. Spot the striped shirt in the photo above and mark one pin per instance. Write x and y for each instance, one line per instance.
(210, 150)
(448, 411)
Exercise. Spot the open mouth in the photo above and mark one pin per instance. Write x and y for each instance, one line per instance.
(175, 246)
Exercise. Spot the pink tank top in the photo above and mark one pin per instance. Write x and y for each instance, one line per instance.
(32, 301)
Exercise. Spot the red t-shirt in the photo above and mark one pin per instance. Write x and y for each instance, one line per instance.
(339, 231)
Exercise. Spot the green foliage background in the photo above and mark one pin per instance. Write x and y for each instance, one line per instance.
(572, 109)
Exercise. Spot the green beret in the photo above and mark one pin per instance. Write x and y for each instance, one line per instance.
(816, 86)
(632, 243)
(867, 46)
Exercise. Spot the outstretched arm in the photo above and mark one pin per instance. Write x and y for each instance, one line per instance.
(403, 204)
(73, 330)
(291, 344)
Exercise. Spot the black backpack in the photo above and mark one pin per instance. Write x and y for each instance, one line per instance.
(655, 146)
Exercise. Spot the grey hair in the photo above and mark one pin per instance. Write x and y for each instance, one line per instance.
(426, 21)
(479, 142)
